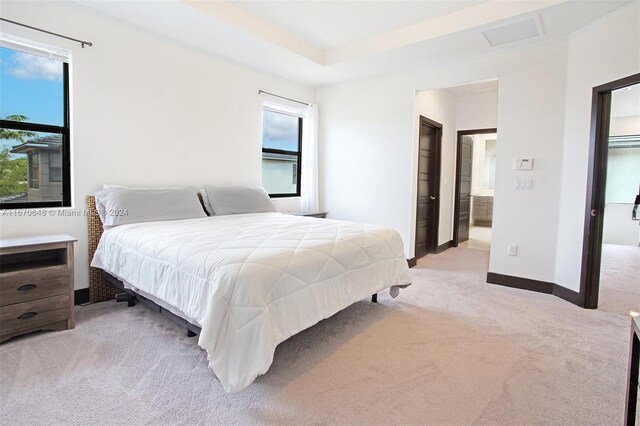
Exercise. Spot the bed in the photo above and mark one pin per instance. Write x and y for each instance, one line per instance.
(250, 281)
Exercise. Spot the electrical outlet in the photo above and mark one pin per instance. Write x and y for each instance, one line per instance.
(512, 250)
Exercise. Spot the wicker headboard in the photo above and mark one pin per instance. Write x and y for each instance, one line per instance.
(99, 288)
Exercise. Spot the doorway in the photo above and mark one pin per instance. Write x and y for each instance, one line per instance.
(428, 196)
(600, 205)
(474, 190)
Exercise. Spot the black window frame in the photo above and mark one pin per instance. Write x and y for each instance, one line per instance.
(298, 154)
(65, 132)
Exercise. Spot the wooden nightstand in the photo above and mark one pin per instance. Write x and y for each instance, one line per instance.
(36, 284)
(322, 215)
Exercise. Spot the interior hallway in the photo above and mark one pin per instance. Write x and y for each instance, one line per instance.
(479, 238)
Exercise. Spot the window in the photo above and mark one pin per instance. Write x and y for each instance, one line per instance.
(34, 126)
(281, 152)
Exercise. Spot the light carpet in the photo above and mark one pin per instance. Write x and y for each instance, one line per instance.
(450, 349)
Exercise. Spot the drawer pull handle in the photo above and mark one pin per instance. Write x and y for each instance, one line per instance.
(27, 315)
(27, 287)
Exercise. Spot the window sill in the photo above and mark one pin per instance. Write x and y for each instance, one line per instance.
(283, 196)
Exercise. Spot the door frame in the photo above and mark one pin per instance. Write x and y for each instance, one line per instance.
(435, 225)
(596, 184)
(456, 195)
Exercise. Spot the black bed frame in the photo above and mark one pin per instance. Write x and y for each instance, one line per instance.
(131, 297)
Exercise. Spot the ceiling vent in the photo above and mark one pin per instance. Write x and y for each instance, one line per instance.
(514, 31)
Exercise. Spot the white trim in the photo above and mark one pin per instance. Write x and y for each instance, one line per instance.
(284, 109)
(34, 48)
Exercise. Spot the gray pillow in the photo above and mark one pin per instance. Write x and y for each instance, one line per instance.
(119, 206)
(239, 199)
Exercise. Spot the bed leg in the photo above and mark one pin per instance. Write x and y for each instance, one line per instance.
(374, 298)
(126, 297)
(190, 333)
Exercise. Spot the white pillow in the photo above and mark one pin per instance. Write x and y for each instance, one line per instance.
(119, 206)
(239, 199)
(203, 193)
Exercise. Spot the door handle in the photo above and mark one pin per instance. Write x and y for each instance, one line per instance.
(432, 197)
(593, 212)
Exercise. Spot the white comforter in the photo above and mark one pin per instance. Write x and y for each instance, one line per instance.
(253, 280)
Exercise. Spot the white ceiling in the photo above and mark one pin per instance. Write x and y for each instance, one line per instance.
(318, 42)
(329, 24)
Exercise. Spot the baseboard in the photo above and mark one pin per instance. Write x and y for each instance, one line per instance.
(568, 295)
(535, 285)
(519, 282)
(444, 246)
(412, 262)
(81, 296)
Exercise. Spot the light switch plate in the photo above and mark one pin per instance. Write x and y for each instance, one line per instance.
(523, 184)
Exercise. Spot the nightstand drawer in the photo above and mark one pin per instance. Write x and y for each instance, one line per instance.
(33, 284)
(34, 315)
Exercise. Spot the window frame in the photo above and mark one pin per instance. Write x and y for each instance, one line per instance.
(65, 132)
(298, 154)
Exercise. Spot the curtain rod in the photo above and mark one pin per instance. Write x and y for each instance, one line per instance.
(82, 42)
(282, 97)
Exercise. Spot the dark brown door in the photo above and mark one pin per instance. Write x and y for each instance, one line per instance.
(462, 205)
(466, 159)
(596, 186)
(427, 217)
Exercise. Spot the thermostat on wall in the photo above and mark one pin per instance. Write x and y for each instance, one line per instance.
(524, 163)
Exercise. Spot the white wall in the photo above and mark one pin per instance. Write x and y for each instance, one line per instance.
(477, 111)
(623, 176)
(146, 111)
(602, 52)
(619, 229)
(623, 126)
(440, 106)
(365, 153)
(368, 151)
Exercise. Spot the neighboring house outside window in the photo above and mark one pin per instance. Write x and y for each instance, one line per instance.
(55, 167)
(33, 175)
(281, 152)
(34, 126)
(45, 166)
